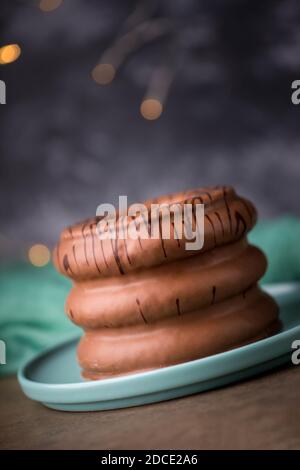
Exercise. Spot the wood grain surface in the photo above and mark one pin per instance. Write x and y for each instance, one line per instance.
(262, 413)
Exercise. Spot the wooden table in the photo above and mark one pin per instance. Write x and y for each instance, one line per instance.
(261, 413)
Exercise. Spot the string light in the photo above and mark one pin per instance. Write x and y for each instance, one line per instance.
(151, 109)
(115, 55)
(154, 100)
(49, 5)
(39, 255)
(142, 26)
(9, 53)
(103, 74)
(139, 28)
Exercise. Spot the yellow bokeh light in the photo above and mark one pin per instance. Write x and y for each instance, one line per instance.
(103, 74)
(9, 53)
(151, 109)
(49, 5)
(39, 255)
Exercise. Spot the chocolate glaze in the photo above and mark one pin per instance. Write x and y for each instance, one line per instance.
(119, 257)
(150, 303)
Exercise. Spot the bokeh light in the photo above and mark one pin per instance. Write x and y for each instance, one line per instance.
(49, 5)
(103, 74)
(39, 255)
(151, 109)
(9, 53)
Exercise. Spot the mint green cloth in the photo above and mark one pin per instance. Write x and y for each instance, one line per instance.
(31, 311)
(32, 299)
(280, 241)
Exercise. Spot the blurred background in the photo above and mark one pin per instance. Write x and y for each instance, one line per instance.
(222, 70)
(140, 98)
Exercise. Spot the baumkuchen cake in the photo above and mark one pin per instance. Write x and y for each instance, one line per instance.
(150, 303)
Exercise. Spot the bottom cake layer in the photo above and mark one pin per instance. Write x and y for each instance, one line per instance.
(109, 352)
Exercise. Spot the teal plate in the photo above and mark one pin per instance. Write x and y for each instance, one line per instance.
(53, 377)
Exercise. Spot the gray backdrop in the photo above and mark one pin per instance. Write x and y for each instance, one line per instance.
(68, 144)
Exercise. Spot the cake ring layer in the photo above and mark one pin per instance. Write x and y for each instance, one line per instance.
(234, 322)
(175, 288)
(80, 253)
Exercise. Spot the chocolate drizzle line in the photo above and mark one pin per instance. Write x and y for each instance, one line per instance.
(75, 258)
(194, 214)
(106, 264)
(161, 235)
(175, 233)
(125, 244)
(116, 254)
(66, 264)
(97, 220)
(228, 210)
(240, 219)
(247, 209)
(213, 227)
(140, 310)
(93, 249)
(208, 195)
(84, 245)
(214, 290)
(178, 307)
(195, 202)
(221, 223)
(139, 238)
(147, 224)
(200, 199)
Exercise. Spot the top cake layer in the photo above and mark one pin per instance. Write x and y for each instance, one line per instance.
(80, 253)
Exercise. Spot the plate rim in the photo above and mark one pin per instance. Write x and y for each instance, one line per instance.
(162, 379)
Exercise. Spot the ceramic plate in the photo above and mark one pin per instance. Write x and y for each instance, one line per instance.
(53, 377)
